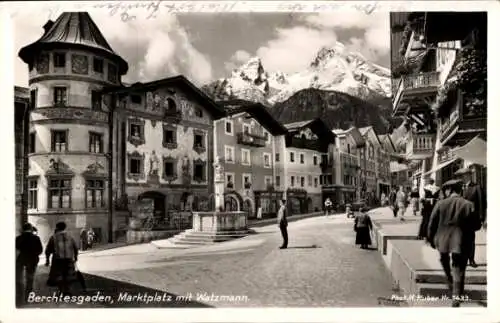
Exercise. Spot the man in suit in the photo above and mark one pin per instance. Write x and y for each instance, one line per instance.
(28, 247)
(450, 232)
(473, 192)
(283, 223)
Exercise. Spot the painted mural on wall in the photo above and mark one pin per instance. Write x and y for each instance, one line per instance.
(42, 65)
(306, 134)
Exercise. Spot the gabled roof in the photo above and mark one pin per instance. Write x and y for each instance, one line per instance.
(365, 130)
(317, 126)
(358, 137)
(339, 132)
(258, 111)
(72, 29)
(179, 80)
(387, 143)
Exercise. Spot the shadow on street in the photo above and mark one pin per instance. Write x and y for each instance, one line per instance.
(110, 291)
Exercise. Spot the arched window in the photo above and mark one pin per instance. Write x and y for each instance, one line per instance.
(171, 105)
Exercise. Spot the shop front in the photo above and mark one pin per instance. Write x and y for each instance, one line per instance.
(267, 203)
(297, 201)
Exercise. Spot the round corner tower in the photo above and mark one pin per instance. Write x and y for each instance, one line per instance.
(69, 66)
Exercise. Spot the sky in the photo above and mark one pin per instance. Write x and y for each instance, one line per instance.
(208, 46)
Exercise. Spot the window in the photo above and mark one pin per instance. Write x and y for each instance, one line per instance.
(199, 113)
(168, 168)
(228, 129)
(135, 166)
(59, 141)
(135, 131)
(246, 179)
(169, 136)
(95, 142)
(32, 193)
(315, 160)
(136, 99)
(278, 180)
(292, 180)
(229, 154)
(229, 180)
(94, 193)
(98, 65)
(268, 180)
(199, 141)
(32, 143)
(59, 193)
(59, 60)
(96, 100)
(315, 182)
(267, 136)
(277, 157)
(267, 160)
(302, 181)
(292, 157)
(60, 95)
(246, 128)
(199, 172)
(348, 148)
(309, 180)
(301, 158)
(245, 157)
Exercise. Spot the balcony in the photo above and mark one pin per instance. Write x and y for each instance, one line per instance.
(420, 146)
(303, 143)
(413, 87)
(172, 115)
(445, 155)
(457, 130)
(248, 139)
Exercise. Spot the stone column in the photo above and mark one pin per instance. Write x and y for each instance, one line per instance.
(218, 184)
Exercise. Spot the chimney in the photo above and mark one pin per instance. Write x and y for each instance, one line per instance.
(48, 25)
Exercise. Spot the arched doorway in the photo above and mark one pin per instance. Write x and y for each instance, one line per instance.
(158, 202)
(232, 201)
(309, 204)
(295, 205)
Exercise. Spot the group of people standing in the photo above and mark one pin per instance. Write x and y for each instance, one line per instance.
(61, 255)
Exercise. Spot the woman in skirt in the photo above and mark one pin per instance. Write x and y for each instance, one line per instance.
(363, 227)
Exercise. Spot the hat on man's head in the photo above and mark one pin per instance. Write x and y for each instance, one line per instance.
(463, 171)
(364, 209)
(453, 183)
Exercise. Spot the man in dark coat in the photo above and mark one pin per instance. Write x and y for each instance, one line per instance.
(392, 201)
(283, 223)
(473, 192)
(450, 232)
(28, 247)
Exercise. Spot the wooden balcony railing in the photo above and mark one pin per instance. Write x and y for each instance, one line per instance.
(416, 83)
(249, 139)
(420, 146)
(305, 143)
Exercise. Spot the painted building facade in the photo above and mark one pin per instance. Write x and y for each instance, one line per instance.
(309, 164)
(165, 140)
(68, 168)
(249, 141)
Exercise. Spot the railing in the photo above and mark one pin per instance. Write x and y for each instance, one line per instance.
(245, 138)
(305, 143)
(420, 144)
(172, 115)
(416, 82)
(445, 155)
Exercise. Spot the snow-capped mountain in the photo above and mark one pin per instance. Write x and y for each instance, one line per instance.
(334, 69)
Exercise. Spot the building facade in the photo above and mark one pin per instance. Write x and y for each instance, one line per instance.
(309, 164)
(440, 88)
(249, 140)
(68, 167)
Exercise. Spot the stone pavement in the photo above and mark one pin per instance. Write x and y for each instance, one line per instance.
(321, 267)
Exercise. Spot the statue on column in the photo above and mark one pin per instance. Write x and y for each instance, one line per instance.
(153, 167)
(218, 170)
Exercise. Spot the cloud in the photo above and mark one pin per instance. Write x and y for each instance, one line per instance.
(293, 49)
(238, 58)
(376, 40)
(154, 48)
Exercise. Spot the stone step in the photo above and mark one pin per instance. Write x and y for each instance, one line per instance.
(438, 277)
(191, 242)
(474, 292)
(204, 238)
(215, 233)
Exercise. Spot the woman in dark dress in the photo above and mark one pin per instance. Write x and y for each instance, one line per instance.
(363, 226)
(431, 196)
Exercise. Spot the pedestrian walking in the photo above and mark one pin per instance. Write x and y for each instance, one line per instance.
(91, 238)
(64, 251)
(84, 238)
(383, 200)
(429, 200)
(450, 232)
(28, 250)
(401, 202)
(328, 206)
(283, 223)
(363, 227)
(414, 200)
(473, 193)
(392, 201)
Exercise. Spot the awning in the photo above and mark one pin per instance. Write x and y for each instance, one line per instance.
(440, 166)
(473, 152)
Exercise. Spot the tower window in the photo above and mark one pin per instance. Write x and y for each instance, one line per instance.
(98, 65)
(59, 60)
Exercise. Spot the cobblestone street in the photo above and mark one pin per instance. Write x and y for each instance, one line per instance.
(321, 267)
